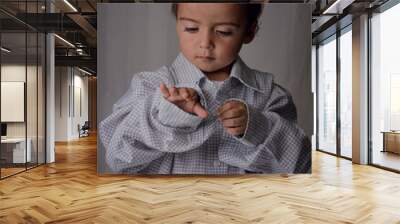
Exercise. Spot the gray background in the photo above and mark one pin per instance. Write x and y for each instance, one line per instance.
(142, 37)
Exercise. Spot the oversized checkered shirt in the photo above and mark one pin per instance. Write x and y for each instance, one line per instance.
(147, 134)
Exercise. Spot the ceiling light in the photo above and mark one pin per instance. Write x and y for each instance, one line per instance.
(338, 6)
(5, 50)
(86, 72)
(65, 41)
(71, 6)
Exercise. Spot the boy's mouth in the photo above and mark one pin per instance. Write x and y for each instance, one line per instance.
(205, 57)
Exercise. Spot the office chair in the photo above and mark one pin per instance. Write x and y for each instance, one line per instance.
(84, 130)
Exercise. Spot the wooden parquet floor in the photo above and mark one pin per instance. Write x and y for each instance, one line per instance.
(70, 191)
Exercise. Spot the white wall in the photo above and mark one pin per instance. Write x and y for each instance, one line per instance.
(67, 116)
(33, 126)
(61, 103)
(80, 83)
(12, 73)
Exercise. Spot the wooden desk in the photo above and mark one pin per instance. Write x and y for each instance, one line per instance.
(391, 141)
(13, 150)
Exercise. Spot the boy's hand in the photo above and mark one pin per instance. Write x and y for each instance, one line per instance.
(185, 98)
(233, 115)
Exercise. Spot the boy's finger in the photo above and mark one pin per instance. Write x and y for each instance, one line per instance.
(236, 131)
(234, 122)
(174, 95)
(192, 95)
(195, 97)
(192, 92)
(184, 93)
(164, 90)
(227, 106)
(173, 91)
(200, 111)
(232, 113)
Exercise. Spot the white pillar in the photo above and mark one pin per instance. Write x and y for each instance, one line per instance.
(50, 93)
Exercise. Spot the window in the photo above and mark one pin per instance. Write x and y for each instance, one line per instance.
(385, 87)
(327, 95)
(346, 93)
(22, 78)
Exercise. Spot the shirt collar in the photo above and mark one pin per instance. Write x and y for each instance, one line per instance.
(244, 74)
(186, 72)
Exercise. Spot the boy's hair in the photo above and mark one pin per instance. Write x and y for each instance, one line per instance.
(254, 11)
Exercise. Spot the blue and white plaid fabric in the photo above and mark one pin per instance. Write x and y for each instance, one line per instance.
(147, 134)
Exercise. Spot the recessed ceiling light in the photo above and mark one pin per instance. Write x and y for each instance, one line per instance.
(337, 7)
(65, 41)
(70, 5)
(5, 50)
(86, 72)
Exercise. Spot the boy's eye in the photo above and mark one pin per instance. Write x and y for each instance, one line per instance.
(191, 29)
(224, 33)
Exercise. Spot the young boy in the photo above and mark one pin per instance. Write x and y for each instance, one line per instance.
(207, 113)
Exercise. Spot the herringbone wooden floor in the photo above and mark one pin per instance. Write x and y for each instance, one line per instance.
(70, 191)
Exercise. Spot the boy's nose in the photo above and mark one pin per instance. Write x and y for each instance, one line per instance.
(206, 41)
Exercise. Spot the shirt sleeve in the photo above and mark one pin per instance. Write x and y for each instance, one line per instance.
(143, 128)
(272, 142)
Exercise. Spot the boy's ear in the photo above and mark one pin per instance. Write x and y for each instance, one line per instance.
(251, 33)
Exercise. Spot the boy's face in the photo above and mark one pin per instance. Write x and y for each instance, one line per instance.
(211, 34)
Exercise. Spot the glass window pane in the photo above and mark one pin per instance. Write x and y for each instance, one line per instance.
(346, 94)
(22, 88)
(32, 85)
(385, 84)
(14, 149)
(327, 96)
(31, 96)
(314, 92)
(41, 98)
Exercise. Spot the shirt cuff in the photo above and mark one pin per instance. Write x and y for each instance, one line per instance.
(257, 128)
(172, 116)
